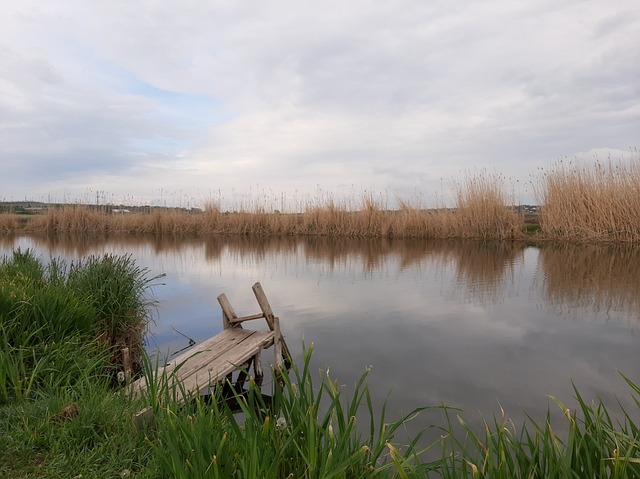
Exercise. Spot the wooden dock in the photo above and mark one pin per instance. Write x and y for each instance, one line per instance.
(234, 350)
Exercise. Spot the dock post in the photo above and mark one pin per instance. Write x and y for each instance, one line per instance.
(242, 375)
(270, 317)
(257, 369)
(278, 347)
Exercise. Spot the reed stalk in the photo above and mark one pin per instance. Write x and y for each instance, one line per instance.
(482, 211)
(593, 446)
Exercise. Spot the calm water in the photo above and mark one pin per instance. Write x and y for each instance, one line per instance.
(473, 325)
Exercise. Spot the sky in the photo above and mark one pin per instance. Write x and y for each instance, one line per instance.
(288, 102)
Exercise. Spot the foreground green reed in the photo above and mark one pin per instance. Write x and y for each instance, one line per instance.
(302, 430)
(592, 444)
(308, 429)
(325, 431)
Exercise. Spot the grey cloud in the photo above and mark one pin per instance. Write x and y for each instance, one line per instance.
(616, 21)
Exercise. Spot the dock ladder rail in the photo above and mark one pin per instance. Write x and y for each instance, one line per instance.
(230, 321)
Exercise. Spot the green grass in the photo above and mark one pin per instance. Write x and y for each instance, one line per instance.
(60, 332)
(39, 440)
(60, 322)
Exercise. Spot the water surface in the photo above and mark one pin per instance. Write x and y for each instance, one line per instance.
(474, 325)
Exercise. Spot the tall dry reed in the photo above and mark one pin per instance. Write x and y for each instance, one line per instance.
(8, 222)
(72, 219)
(481, 212)
(599, 202)
(330, 219)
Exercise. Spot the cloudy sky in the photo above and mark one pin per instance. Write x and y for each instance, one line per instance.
(182, 102)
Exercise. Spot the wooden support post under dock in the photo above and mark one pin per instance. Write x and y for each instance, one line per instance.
(214, 360)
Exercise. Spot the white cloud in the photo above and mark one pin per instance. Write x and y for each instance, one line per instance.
(291, 95)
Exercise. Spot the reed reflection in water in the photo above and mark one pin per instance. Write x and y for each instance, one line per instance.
(467, 323)
(603, 279)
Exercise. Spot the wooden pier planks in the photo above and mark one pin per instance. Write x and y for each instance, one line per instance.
(211, 361)
(234, 349)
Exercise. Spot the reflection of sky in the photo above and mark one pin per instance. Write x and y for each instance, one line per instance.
(429, 336)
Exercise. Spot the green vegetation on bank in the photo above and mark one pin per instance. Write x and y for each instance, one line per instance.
(62, 327)
(62, 417)
(49, 314)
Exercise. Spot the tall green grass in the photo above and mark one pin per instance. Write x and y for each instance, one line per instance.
(83, 431)
(42, 368)
(303, 430)
(309, 430)
(59, 322)
(59, 414)
(591, 444)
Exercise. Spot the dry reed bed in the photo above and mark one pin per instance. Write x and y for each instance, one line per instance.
(328, 220)
(599, 202)
(481, 211)
(8, 223)
(579, 203)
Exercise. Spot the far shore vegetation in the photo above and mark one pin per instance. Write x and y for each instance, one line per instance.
(597, 203)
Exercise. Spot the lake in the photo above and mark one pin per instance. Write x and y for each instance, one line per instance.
(474, 325)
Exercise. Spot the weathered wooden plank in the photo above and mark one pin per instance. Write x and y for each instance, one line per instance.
(209, 344)
(233, 345)
(241, 319)
(126, 364)
(228, 362)
(277, 341)
(221, 341)
(230, 350)
(264, 303)
(257, 368)
(139, 385)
